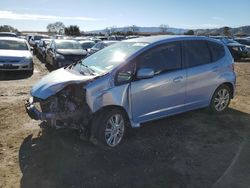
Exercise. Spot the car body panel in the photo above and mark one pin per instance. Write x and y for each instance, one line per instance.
(164, 93)
(147, 99)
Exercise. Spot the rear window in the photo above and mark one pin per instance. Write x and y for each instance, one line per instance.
(13, 45)
(217, 51)
(197, 53)
(68, 45)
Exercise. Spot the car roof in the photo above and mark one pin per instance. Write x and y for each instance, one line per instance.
(158, 38)
(8, 33)
(86, 41)
(109, 41)
(46, 39)
(12, 39)
(64, 40)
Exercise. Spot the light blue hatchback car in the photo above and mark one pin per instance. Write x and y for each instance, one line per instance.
(133, 82)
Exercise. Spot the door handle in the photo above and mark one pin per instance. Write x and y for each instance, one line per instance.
(178, 79)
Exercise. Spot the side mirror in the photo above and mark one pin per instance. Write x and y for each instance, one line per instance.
(145, 73)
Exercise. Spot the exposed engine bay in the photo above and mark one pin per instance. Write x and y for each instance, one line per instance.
(65, 109)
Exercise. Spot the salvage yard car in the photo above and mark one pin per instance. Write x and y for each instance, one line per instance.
(15, 55)
(135, 81)
(64, 52)
(237, 50)
(100, 45)
(42, 48)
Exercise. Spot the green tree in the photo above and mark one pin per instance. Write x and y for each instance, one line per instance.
(226, 31)
(8, 28)
(189, 32)
(72, 30)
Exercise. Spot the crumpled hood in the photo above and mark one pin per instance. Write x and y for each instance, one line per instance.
(56, 81)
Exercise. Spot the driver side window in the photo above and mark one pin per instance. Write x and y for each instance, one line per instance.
(162, 58)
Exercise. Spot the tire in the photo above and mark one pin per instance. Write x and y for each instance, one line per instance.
(221, 99)
(43, 58)
(55, 64)
(106, 134)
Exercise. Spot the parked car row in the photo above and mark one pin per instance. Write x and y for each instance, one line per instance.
(62, 52)
(236, 46)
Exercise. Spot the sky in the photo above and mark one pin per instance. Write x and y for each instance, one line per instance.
(35, 15)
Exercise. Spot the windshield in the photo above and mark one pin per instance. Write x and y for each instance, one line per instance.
(87, 45)
(13, 45)
(38, 37)
(105, 60)
(68, 45)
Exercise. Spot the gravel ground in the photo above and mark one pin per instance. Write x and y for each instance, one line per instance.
(194, 149)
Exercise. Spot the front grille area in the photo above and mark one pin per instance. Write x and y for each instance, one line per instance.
(9, 60)
(8, 67)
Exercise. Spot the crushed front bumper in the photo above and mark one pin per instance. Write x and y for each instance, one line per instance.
(32, 111)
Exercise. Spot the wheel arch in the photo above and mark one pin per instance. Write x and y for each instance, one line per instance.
(111, 107)
(231, 87)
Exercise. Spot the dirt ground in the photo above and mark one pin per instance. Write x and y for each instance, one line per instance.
(194, 149)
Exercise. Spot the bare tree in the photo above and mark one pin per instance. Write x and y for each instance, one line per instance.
(164, 28)
(108, 31)
(113, 29)
(134, 28)
(57, 27)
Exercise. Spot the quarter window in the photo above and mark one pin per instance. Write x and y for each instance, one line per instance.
(163, 58)
(196, 53)
(217, 50)
(125, 74)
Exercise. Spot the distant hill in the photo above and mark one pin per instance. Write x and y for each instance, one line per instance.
(217, 31)
(143, 30)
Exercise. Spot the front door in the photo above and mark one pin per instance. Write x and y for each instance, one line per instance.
(164, 94)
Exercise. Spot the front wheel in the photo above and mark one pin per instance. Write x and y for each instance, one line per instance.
(221, 99)
(108, 127)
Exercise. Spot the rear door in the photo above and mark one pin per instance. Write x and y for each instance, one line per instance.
(202, 73)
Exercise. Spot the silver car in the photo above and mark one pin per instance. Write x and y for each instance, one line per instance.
(135, 81)
(15, 54)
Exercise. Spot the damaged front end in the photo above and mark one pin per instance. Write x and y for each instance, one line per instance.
(65, 109)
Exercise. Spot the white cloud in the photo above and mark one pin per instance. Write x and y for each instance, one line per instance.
(17, 16)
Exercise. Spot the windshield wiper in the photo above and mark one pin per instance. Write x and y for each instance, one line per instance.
(73, 64)
(92, 71)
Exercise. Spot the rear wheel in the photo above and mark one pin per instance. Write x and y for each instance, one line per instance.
(221, 99)
(108, 127)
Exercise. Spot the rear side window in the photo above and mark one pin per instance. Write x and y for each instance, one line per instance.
(217, 50)
(165, 57)
(197, 53)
